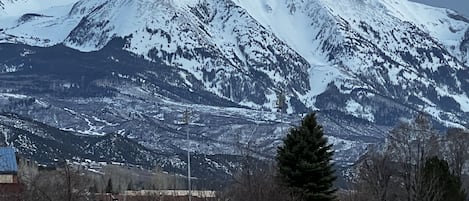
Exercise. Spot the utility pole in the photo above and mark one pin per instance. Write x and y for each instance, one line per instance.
(281, 105)
(186, 121)
(231, 90)
(281, 101)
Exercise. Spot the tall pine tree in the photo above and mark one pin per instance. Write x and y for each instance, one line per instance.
(304, 162)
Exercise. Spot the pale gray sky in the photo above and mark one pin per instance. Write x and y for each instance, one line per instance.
(461, 6)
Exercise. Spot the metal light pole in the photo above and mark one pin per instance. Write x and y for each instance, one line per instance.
(186, 121)
(281, 105)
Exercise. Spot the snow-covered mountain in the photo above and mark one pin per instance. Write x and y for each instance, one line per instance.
(380, 48)
(14, 8)
(101, 66)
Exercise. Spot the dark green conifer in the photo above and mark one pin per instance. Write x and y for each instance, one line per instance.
(304, 162)
(440, 184)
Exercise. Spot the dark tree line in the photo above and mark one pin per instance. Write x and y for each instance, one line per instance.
(64, 183)
(416, 163)
(302, 170)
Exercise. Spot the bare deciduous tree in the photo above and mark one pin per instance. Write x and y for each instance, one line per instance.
(375, 180)
(257, 179)
(410, 145)
(258, 183)
(456, 152)
(66, 184)
(396, 172)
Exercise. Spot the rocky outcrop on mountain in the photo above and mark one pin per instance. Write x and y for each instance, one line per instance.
(465, 47)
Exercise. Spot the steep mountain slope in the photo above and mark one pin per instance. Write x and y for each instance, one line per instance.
(397, 50)
(50, 146)
(250, 43)
(145, 101)
(185, 42)
(465, 47)
(12, 8)
(132, 66)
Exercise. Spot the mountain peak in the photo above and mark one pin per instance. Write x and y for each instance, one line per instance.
(15, 8)
(229, 38)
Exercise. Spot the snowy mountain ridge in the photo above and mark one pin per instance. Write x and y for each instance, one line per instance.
(12, 8)
(228, 30)
(135, 63)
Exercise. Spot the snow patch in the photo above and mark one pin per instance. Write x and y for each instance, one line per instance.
(357, 110)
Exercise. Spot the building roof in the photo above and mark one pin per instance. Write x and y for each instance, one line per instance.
(8, 161)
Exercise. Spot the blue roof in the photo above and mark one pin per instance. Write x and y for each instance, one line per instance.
(8, 160)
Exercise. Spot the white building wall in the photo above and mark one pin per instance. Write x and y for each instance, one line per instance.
(6, 179)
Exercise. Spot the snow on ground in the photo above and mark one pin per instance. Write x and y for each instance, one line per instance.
(356, 109)
(319, 77)
(10, 95)
(340, 144)
(5, 136)
(20, 7)
(462, 99)
(437, 113)
(435, 20)
(292, 27)
(47, 27)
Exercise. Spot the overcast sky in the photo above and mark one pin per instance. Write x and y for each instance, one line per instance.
(461, 6)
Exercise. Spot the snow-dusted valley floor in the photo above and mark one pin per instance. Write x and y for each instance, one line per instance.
(157, 125)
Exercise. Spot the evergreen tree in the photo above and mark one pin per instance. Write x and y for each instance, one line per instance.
(440, 183)
(109, 186)
(304, 162)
